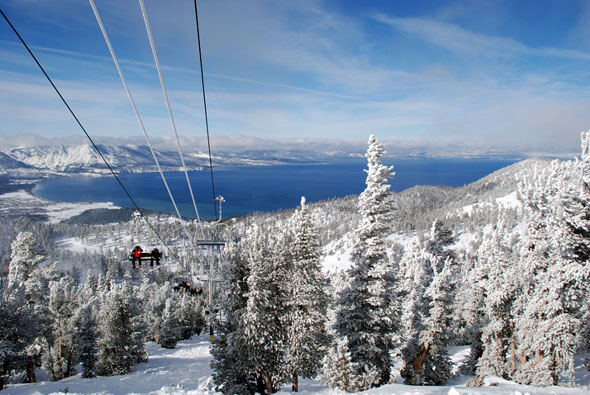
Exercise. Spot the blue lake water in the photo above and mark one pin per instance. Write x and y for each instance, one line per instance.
(261, 188)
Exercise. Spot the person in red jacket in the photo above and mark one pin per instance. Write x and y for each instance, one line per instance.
(136, 255)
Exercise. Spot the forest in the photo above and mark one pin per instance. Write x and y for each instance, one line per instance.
(500, 265)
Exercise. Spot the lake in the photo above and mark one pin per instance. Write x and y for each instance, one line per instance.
(261, 188)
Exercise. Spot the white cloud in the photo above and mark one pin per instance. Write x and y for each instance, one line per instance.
(279, 69)
(457, 39)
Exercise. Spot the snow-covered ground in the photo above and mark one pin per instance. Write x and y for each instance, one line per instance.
(509, 201)
(185, 371)
(28, 204)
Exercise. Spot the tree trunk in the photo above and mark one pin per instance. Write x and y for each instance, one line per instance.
(295, 387)
(260, 385)
(69, 366)
(513, 356)
(268, 383)
(421, 356)
(30, 370)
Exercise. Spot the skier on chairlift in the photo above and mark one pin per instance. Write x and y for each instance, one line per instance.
(136, 255)
(155, 256)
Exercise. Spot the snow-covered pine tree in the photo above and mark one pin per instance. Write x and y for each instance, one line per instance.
(118, 341)
(426, 361)
(25, 256)
(413, 308)
(154, 299)
(339, 367)
(470, 314)
(550, 324)
(233, 372)
(191, 316)
(139, 329)
(62, 354)
(307, 338)
(498, 337)
(266, 309)
(87, 342)
(439, 241)
(19, 328)
(366, 316)
(170, 329)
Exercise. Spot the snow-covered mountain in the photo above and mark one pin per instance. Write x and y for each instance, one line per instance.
(83, 158)
(129, 158)
(8, 162)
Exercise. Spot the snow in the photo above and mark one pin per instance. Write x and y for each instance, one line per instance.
(25, 202)
(509, 201)
(337, 255)
(185, 371)
(76, 245)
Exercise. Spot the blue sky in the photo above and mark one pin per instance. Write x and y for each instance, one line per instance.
(512, 75)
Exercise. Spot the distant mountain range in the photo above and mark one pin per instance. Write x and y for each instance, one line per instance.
(128, 158)
(47, 157)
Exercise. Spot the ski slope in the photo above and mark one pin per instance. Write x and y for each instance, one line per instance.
(185, 371)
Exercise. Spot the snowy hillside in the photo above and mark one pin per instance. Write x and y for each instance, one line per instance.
(185, 370)
(7, 162)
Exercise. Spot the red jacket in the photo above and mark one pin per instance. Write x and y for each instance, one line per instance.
(137, 252)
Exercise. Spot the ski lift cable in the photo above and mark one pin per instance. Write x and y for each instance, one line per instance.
(114, 174)
(139, 119)
(168, 106)
(206, 117)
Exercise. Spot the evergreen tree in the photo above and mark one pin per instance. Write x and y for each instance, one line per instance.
(263, 319)
(170, 329)
(233, 372)
(191, 316)
(498, 337)
(24, 258)
(440, 241)
(62, 354)
(427, 320)
(339, 369)
(367, 316)
(88, 337)
(550, 321)
(307, 339)
(470, 316)
(118, 343)
(18, 330)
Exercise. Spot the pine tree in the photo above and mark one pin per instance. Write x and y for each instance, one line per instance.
(440, 241)
(62, 354)
(307, 339)
(191, 316)
(233, 372)
(367, 316)
(339, 369)
(88, 337)
(120, 345)
(263, 319)
(25, 256)
(19, 329)
(550, 321)
(427, 319)
(170, 329)
(498, 337)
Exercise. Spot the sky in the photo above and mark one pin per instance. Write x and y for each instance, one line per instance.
(505, 75)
